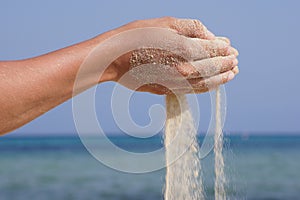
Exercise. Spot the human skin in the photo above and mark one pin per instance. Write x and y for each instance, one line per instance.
(33, 86)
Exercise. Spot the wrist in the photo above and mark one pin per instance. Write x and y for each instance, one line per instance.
(118, 67)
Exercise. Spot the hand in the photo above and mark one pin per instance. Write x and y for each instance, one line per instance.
(203, 60)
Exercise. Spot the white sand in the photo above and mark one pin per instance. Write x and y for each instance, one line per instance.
(183, 177)
(220, 180)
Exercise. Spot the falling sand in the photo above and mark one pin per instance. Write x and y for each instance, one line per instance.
(183, 177)
(220, 180)
(183, 173)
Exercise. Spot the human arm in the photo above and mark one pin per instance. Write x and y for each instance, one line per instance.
(31, 87)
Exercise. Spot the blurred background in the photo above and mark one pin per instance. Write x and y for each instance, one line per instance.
(46, 160)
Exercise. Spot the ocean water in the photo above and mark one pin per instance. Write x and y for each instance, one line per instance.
(258, 167)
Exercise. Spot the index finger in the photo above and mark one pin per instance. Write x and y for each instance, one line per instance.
(192, 28)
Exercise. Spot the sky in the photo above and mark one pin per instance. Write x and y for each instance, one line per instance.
(264, 97)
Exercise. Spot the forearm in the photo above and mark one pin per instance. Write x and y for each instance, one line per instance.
(33, 86)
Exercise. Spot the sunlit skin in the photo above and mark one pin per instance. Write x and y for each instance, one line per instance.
(33, 86)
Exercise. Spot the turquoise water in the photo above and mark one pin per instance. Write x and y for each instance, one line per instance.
(258, 167)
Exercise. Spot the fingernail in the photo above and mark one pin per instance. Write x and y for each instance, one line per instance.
(224, 39)
(230, 76)
(235, 52)
(232, 51)
(235, 70)
(235, 62)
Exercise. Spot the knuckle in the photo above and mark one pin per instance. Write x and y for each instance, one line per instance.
(197, 24)
(229, 63)
(227, 50)
(169, 19)
(224, 51)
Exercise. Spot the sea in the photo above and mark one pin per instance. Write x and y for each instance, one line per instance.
(258, 166)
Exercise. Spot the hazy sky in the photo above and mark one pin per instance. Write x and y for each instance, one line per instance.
(265, 97)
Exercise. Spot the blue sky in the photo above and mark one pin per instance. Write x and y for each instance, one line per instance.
(263, 98)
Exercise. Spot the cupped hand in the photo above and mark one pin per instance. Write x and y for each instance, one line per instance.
(194, 60)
